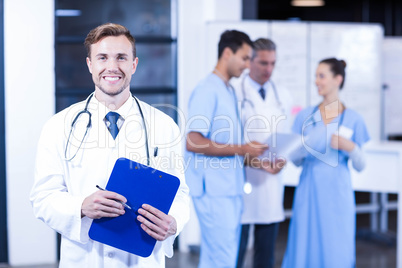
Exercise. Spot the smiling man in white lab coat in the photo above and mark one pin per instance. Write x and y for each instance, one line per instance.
(72, 160)
(265, 111)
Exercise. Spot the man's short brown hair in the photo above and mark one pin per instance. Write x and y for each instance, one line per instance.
(105, 30)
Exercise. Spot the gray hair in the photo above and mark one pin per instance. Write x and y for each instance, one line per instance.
(263, 44)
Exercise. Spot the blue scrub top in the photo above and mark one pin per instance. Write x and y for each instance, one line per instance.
(213, 112)
(317, 136)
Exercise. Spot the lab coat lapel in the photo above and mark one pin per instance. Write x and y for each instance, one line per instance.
(131, 138)
(266, 111)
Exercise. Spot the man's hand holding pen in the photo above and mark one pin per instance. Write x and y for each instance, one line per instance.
(103, 204)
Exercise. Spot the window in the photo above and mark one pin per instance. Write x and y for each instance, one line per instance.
(151, 22)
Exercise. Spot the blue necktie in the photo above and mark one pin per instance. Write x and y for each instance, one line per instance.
(262, 93)
(112, 117)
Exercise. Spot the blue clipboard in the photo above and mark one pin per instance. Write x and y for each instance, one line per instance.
(140, 184)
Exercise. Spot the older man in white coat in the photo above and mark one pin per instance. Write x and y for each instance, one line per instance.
(73, 159)
(265, 111)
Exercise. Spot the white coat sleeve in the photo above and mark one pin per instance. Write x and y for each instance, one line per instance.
(51, 201)
(180, 208)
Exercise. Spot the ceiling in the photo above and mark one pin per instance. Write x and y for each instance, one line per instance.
(386, 12)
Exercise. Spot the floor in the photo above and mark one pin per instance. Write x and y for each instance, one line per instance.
(372, 251)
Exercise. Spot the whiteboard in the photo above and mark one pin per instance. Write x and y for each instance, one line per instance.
(291, 58)
(360, 45)
(301, 45)
(392, 66)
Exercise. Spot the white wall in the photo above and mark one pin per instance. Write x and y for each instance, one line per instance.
(29, 102)
(193, 16)
(192, 65)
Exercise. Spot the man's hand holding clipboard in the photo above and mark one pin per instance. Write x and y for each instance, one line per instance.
(148, 192)
(156, 223)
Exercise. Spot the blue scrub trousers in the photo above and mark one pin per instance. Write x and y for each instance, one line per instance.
(264, 245)
(219, 219)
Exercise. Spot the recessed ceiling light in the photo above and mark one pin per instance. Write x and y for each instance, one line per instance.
(68, 12)
(307, 3)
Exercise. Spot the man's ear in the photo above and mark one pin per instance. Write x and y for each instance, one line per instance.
(89, 64)
(135, 64)
(227, 52)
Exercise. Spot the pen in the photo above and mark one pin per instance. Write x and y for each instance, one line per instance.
(124, 204)
(156, 151)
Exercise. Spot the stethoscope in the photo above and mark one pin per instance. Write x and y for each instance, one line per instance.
(311, 120)
(89, 124)
(246, 100)
(247, 187)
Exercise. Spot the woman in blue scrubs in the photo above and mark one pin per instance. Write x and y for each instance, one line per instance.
(322, 228)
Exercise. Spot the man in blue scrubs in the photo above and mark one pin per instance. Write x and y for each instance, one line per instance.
(216, 151)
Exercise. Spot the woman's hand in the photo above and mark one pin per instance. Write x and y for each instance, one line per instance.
(341, 143)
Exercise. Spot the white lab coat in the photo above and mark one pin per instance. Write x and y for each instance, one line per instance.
(61, 186)
(260, 118)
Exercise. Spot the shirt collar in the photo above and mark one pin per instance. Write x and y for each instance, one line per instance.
(256, 85)
(123, 111)
(125, 108)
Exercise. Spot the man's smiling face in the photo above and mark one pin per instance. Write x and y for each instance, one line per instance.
(112, 64)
